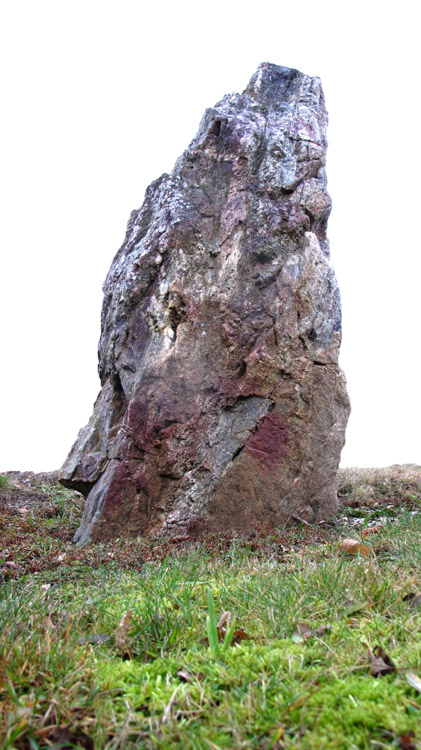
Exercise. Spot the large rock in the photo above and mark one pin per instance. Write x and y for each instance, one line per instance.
(222, 403)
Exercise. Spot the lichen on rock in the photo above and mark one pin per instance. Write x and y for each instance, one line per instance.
(222, 403)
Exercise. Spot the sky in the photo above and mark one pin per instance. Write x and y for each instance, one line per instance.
(100, 98)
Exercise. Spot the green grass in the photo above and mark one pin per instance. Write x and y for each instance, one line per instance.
(61, 669)
(119, 645)
(4, 482)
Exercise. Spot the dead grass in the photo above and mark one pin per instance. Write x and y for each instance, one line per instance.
(394, 483)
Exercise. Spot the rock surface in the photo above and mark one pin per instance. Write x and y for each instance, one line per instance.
(222, 403)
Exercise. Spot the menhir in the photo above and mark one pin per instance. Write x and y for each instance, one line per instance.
(222, 404)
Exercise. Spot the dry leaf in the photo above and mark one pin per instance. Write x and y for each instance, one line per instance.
(413, 599)
(405, 741)
(240, 635)
(21, 714)
(183, 675)
(353, 623)
(413, 681)
(224, 619)
(304, 631)
(354, 547)
(322, 630)
(380, 662)
(372, 530)
(122, 631)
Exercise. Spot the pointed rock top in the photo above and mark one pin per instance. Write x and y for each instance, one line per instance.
(277, 86)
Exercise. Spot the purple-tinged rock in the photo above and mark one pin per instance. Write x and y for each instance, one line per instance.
(222, 403)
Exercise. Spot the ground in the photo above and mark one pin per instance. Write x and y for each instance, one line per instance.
(117, 644)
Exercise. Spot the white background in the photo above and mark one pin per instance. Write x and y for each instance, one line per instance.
(99, 98)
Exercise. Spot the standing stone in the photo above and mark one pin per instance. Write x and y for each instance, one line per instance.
(222, 403)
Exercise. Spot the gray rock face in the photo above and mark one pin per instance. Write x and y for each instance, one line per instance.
(222, 403)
